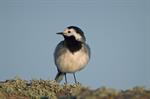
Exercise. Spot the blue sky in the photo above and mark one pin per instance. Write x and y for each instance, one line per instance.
(117, 31)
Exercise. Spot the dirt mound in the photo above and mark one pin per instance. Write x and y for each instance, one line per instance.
(46, 89)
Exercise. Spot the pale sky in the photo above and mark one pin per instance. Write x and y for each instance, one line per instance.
(117, 31)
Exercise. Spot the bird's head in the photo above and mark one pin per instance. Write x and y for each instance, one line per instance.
(73, 32)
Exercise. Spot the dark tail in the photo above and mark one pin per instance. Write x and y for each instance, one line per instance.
(59, 77)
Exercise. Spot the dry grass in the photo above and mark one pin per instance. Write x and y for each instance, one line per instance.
(46, 89)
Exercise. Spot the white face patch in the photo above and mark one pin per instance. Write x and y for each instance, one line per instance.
(72, 32)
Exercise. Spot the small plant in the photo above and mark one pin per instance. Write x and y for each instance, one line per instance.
(47, 89)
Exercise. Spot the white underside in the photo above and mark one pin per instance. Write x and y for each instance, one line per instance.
(72, 62)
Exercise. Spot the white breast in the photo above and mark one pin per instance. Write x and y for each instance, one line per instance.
(72, 62)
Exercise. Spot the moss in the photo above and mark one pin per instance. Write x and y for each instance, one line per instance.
(47, 89)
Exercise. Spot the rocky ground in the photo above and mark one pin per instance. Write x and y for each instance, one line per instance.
(46, 89)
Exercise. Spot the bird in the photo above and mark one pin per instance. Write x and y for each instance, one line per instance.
(71, 54)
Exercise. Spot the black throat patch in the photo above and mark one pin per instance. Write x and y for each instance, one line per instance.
(72, 44)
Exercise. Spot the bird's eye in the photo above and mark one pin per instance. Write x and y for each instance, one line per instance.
(69, 31)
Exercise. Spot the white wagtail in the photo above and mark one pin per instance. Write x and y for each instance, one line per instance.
(72, 54)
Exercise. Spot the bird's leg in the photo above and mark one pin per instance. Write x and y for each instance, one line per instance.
(74, 77)
(65, 78)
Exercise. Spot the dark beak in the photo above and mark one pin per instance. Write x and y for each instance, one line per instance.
(60, 33)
